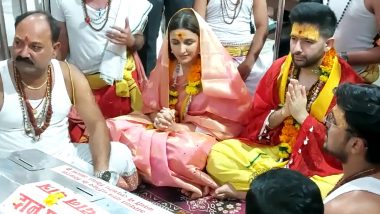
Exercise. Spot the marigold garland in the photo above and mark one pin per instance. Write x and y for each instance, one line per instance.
(327, 64)
(289, 131)
(194, 84)
(288, 137)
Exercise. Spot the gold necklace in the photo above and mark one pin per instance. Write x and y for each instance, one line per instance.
(34, 88)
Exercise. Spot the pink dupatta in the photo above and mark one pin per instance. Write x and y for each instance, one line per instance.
(178, 158)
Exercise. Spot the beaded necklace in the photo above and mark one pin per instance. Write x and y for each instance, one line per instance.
(98, 20)
(33, 126)
(228, 5)
(344, 10)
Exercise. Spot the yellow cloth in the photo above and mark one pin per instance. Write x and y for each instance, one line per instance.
(326, 184)
(127, 87)
(233, 162)
(95, 81)
(236, 51)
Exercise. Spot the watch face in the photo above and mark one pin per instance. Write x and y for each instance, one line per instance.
(106, 176)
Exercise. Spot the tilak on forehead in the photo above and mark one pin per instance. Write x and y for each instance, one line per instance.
(24, 39)
(305, 31)
(180, 35)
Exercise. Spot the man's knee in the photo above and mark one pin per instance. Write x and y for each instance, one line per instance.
(121, 159)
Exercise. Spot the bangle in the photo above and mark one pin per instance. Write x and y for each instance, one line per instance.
(344, 55)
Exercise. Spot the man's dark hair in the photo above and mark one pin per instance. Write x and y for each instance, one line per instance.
(361, 106)
(53, 23)
(316, 14)
(283, 191)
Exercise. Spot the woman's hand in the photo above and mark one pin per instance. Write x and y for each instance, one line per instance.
(164, 119)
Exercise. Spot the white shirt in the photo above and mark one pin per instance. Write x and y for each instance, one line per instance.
(55, 139)
(87, 46)
(368, 184)
(239, 32)
(357, 28)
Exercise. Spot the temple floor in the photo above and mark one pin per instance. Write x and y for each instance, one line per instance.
(172, 200)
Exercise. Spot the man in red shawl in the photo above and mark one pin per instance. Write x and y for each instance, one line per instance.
(286, 126)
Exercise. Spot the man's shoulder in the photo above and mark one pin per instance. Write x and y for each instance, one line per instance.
(276, 65)
(373, 4)
(363, 201)
(69, 71)
(61, 8)
(279, 61)
(275, 69)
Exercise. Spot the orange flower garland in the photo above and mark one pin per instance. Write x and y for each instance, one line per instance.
(289, 131)
(194, 78)
(326, 65)
(288, 137)
(194, 84)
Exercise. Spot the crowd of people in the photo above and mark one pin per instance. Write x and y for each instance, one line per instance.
(216, 115)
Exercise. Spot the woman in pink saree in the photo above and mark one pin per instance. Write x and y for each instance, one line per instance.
(194, 97)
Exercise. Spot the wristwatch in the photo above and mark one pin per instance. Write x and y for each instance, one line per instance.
(344, 55)
(108, 176)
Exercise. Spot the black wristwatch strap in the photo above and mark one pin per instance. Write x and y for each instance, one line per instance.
(104, 175)
(111, 177)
